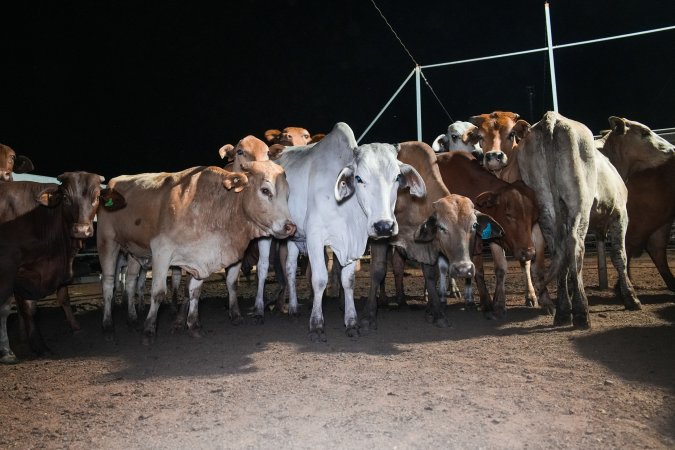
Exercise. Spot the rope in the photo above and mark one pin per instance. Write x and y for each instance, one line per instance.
(412, 58)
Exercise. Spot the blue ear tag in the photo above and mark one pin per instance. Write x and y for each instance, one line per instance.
(487, 231)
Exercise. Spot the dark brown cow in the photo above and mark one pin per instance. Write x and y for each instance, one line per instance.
(514, 207)
(646, 162)
(11, 162)
(38, 246)
(201, 219)
(451, 225)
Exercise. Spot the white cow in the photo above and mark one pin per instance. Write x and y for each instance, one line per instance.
(458, 138)
(341, 194)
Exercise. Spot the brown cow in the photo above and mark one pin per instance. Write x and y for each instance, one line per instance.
(11, 162)
(646, 162)
(38, 246)
(514, 207)
(450, 226)
(201, 219)
(498, 141)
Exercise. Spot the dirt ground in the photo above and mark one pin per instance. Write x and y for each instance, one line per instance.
(519, 383)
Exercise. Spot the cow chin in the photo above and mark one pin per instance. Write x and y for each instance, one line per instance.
(495, 160)
(284, 230)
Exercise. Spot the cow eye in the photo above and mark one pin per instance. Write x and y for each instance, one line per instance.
(266, 192)
(398, 178)
(512, 135)
(454, 137)
(358, 179)
(474, 226)
(240, 152)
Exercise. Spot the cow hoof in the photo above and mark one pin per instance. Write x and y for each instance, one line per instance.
(368, 324)
(195, 333)
(148, 338)
(294, 313)
(352, 332)
(582, 322)
(237, 320)
(562, 319)
(470, 306)
(531, 303)
(9, 358)
(634, 306)
(258, 319)
(317, 335)
(442, 322)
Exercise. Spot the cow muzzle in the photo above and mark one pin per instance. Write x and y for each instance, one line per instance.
(287, 230)
(495, 160)
(464, 269)
(82, 231)
(383, 229)
(5, 175)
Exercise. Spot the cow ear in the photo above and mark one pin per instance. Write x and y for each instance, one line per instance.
(317, 137)
(488, 228)
(409, 177)
(521, 129)
(226, 150)
(111, 200)
(427, 231)
(235, 180)
(344, 186)
(618, 125)
(275, 151)
(477, 120)
(438, 145)
(272, 135)
(23, 164)
(50, 196)
(487, 200)
(470, 136)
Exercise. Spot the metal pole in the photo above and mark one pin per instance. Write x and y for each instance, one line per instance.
(418, 97)
(385, 106)
(554, 88)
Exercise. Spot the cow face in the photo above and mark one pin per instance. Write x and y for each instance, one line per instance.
(265, 201)
(290, 136)
(374, 177)
(495, 136)
(11, 162)
(459, 137)
(78, 197)
(632, 147)
(248, 149)
(514, 208)
(456, 225)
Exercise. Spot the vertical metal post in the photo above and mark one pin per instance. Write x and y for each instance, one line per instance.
(554, 89)
(418, 97)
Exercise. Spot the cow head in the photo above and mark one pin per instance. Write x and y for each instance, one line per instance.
(78, 197)
(248, 149)
(632, 147)
(456, 225)
(11, 162)
(459, 137)
(514, 208)
(374, 177)
(495, 136)
(289, 136)
(265, 201)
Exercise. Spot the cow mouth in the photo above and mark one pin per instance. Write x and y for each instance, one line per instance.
(383, 229)
(287, 230)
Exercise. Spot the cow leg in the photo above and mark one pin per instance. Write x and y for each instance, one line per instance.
(194, 291)
(176, 277)
(27, 309)
(443, 266)
(378, 269)
(656, 248)
(120, 274)
(398, 265)
(63, 299)
(6, 354)
(483, 293)
(347, 277)
(501, 267)
(291, 273)
(131, 288)
(624, 287)
(231, 279)
(436, 310)
(160, 266)
(530, 294)
(538, 270)
(319, 282)
(108, 251)
(263, 265)
(279, 262)
(580, 317)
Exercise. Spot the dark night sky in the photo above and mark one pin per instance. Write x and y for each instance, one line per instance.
(116, 87)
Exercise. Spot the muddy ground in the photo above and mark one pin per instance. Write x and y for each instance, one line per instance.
(480, 384)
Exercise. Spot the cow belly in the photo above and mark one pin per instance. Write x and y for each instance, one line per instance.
(34, 285)
(203, 258)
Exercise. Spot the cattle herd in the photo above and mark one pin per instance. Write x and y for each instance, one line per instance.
(495, 180)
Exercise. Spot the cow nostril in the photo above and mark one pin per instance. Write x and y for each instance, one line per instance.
(383, 227)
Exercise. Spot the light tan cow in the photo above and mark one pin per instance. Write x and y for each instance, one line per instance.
(201, 220)
(11, 162)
